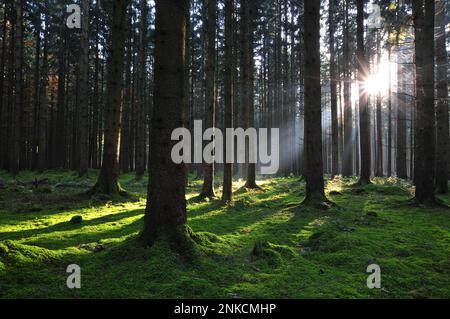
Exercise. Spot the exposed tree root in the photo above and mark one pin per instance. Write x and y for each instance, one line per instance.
(181, 240)
(319, 201)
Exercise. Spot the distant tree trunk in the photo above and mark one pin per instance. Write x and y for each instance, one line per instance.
(401, 118)
(37, 80)
(443, 144)
(60, 139)
(83, 92)
(347, 161)
(389, 142)
(188, 78)
(108, 180)
(293, 73)
(42, 162)
(356, 145)
(284, 129)
(425, 135)
(18, 88)
(250, 107)
(2, 76)
(277, 86)
(313, 114)
(126, 132)
(141, 94)
(227, 194)
(165, 215)
(333, 92)
(96, 100)
(364, 114)
(379, 171)
(210, 98)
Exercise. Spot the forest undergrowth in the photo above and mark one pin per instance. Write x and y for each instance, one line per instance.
(263, 245)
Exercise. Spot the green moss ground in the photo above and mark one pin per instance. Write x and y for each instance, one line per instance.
(262, 246)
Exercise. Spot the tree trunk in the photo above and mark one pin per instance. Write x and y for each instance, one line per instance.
(227, 194)
(210, 98)
(37, 80)
(401, 118)
(443, 151)
(165, 214)
(141, 94)
(3, 112)
(60, 139)
(83, 93)
(347, 161)
(425, 136)
(379, 171)
(364, 114)
(42, 162)
(389, 142)
(313, 114)
(96, 100)
(14, 161)
(333, 91)
(126, 132)
(250, 107)
(108, 180)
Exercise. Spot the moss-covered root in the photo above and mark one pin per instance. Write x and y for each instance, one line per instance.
(110, 190)
(252, 185)
(318, 201)
(180, 240)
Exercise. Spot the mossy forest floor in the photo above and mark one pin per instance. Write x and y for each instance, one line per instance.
(301, 253)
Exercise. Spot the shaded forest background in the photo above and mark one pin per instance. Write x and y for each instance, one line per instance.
(53, 114)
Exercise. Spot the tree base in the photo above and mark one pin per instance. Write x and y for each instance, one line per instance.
(179, 239)
(209, 195)
(318, 201)
(252, 185)
(116, 190)
(363, 182)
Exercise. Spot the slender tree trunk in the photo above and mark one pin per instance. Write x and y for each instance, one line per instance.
(250, 107)
(347, 161)
(313, 114)
(389, 142)
(165, 214)
(210, 98)
(188, 82)
(42, 162)
(401, 118)
(3, 112)
(108, 180)
(126, 132)
(18, 89)
(379, 171)
(443, 144)
(227, 194)
(141, 94)
(284, 141)
(333, 91)
(364, 114)
(60, 161)
(37, 80)
(96, 100)
(83, 93)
